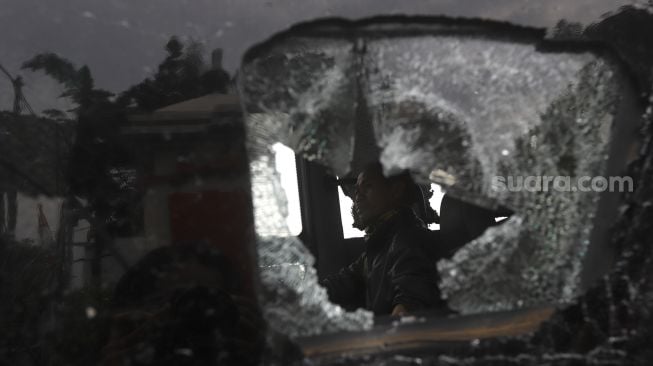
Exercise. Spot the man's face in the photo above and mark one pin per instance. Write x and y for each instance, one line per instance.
(374, 196)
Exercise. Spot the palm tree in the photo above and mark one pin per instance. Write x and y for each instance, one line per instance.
(92, 154)
(78, 83)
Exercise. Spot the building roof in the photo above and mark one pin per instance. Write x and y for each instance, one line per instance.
(206, 104)
(192, 115)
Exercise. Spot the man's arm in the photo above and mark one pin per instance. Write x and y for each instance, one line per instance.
(414, 279)
(347, 287)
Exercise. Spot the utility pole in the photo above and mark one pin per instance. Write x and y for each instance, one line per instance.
(20, 102)
(8, 223)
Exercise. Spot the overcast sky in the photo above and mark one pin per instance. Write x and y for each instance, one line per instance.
(122, 40)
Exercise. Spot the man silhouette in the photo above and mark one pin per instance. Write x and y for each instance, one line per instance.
(395, 274)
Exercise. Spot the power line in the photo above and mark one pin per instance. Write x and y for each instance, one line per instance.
(6, 73)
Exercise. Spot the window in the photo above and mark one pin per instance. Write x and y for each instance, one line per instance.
(286, 166)
(347, 221)
(348, 230)
(436, 201)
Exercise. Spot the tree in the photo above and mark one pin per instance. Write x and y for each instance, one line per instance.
(78, 83)
(98, 143)
(567, 30)
(182, 75)
(98, 147)
(99, 158)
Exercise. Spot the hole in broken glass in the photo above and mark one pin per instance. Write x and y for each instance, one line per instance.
(346, 203)
(457, 110)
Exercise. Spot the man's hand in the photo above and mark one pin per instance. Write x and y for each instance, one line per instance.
(399, 310)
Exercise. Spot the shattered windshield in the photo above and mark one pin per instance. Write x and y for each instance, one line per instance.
(467, 113)
(182, 183)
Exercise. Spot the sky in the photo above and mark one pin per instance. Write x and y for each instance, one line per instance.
(122, 40)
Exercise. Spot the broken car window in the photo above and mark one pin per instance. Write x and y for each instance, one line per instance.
(164, 200)
(463, 107)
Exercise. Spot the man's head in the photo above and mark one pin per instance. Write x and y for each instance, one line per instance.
(376, 195)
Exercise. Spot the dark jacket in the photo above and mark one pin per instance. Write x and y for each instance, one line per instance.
(396, 267)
